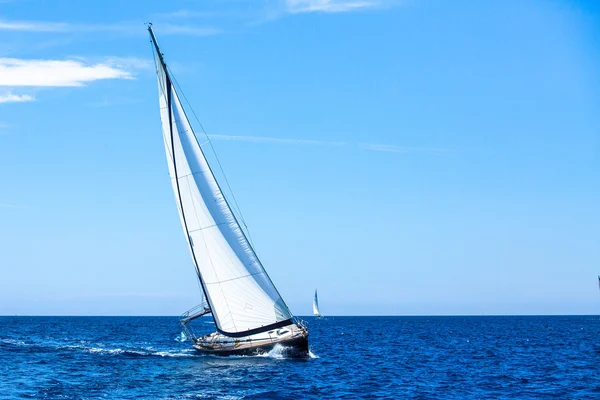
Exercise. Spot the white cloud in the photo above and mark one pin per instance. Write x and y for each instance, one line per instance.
(329, 6)
(14, 98)
(21, 72)
(125, 62)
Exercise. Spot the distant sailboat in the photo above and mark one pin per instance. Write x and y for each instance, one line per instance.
(316, 311)
(249, 313)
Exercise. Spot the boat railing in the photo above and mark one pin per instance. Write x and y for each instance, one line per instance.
(192, 314)
(195, 312)
(300, 322)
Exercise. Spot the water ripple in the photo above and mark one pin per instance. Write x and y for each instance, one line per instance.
(366, 357)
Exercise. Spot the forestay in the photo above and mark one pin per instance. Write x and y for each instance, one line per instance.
(242, 298)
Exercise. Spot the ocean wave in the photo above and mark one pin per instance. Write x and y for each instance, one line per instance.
(13, 342)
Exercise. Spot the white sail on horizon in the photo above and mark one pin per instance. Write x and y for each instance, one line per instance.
(239, 292)
(316, 305)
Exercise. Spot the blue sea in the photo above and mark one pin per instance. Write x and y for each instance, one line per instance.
(351, 357)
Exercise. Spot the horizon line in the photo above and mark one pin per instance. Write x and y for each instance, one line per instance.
(326, 316)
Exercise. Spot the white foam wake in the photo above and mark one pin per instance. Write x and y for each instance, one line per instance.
(278, 352)
(100, 349)
(181, 338)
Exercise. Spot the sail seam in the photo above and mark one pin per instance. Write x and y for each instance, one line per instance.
(192, 174)
(234, 279)
(206, 227)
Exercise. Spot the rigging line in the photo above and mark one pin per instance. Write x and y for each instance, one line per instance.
(215, 154)
(237, 206)
(244, 234)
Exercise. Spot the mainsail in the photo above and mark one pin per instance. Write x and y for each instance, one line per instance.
(316, 305)
(240, 294)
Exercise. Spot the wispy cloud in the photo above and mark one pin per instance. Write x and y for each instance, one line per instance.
(264, 139)
(21, 72)
(115, 102)
(14, 98)
(125, 62)
(136, 294)
(172, 29)
(276, 9)
(364, 146)
(185, 13)
(32, 26)
(125, 28)
(402, 149)
(13, 206)
(217, 13)
(329, 6)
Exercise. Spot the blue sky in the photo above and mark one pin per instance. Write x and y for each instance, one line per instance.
(405, 157)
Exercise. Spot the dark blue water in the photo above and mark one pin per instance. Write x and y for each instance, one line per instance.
(353, 357)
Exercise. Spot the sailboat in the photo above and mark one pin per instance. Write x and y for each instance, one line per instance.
(249, 314)
(316, 311)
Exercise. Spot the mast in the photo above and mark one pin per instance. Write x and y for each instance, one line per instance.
(241, 296)
(183, 218)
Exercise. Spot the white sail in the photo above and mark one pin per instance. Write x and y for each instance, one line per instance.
(240, 294)
(316, 305)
